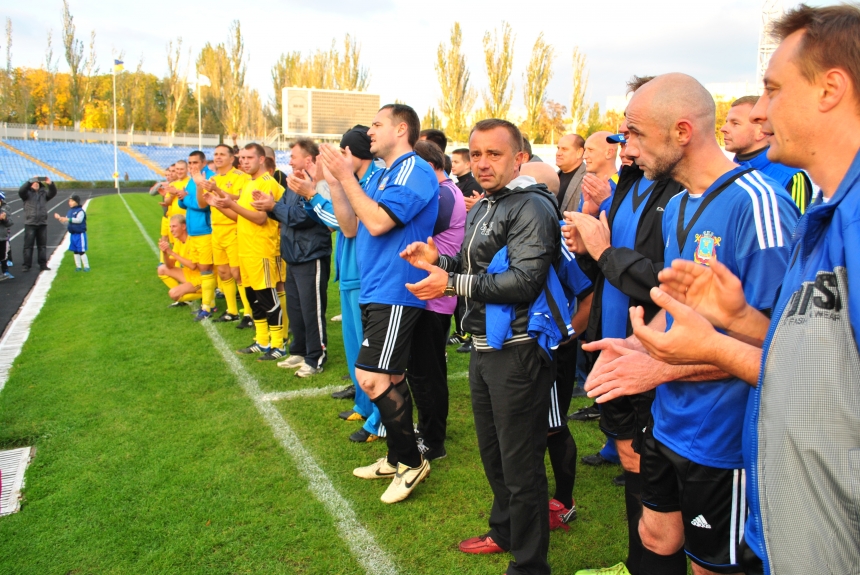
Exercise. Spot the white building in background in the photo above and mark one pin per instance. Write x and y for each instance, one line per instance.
(719, 90)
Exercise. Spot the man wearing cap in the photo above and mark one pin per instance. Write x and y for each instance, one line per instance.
(346, 272)
(571, 170)
(623, 251)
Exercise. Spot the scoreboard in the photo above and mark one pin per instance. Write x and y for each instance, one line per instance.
(308, 111)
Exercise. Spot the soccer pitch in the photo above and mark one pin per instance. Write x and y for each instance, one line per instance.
(157, 455)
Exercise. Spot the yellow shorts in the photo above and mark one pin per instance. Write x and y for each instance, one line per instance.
(203, 246)
(261, 273)
(225, 246)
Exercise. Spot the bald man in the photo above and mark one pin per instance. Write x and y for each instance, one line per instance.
(691, 459)
(571, 170)
(542, 173)
(601, 176)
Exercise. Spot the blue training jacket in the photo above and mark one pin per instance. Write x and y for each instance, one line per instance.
(549, 314)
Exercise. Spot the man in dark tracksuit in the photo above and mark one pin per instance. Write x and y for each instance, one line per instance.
(510, 387)
(622, 274)
(306, 248)
(36, 195)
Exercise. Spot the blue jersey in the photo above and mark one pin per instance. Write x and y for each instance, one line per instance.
(408, 191)
(605, 204)
(746, 224)
(802, 434)
(198, 219)
(613, 319)
(573, 280)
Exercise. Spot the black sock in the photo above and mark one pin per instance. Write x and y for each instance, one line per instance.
(653, 564)
(395, 410)
(633, 501)
(562, 456)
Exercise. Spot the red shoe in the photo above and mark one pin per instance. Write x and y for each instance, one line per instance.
(480, 545)
(559, 515)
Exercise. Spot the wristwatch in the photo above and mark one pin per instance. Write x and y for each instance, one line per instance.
(449, 289)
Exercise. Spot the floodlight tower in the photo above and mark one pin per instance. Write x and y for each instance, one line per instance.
(771, 11)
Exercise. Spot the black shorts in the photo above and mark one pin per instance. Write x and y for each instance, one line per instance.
(627, 417)
(387, 337)
(712, 503)
(562, 389)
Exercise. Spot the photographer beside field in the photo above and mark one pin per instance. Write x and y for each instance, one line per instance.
(36, 193)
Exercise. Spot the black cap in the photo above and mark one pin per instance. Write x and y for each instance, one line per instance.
(76, 198)
(358, 141)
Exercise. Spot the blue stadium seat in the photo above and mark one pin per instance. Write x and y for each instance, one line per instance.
(15, 170)
(84, 161)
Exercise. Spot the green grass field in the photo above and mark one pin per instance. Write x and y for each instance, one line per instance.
(151, 458)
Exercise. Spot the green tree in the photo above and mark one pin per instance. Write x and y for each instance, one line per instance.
(499, 60)
(81, 70)
(578, 103)
(458, 97)
(431, 120)
(174, 85)
(535, 80)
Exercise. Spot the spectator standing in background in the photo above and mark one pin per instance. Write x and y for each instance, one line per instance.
(571, 170)
(36, 193)
(5, 244)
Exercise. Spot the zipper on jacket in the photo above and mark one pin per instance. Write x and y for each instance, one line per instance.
(469, 258)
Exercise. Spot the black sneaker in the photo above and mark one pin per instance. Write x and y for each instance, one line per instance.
(274, 354)
(225, 317)
(363, 436)
(466, 347)
(246, 323)
(620, 481)
(456, 339)
(26, 268)
(578, 391)
(596, 460)
(178, 304)
(253, 348)
(44, 269)
(589, 413)
(346, 393)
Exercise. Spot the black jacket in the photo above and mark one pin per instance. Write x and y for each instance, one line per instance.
(35, 208)
(525, 219)
(303, 239)
(468, 184)
(633, 272)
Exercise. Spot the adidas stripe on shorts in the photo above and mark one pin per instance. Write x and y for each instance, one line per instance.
(387, 337)
(712, 503)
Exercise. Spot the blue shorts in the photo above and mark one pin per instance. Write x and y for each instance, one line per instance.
(78, 243)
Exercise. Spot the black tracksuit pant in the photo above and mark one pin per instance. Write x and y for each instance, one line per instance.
(427, 375)
(510, 400)
(35, 234)
(306, 289)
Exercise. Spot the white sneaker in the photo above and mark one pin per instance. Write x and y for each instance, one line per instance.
(307, 371)
(405, 481)
(338, 317)
(292, 361)
(379, 469)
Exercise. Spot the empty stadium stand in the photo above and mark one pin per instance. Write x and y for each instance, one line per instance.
(16, 169)
(89, 162)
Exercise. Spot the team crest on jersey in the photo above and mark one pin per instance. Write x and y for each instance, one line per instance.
(706, 247)
(383, 183)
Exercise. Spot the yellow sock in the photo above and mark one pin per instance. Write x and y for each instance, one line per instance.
(262, 328)
(228, 286)
(209, 283)
(286, 327)
(190, 296)
(246, 307)
(169, 281)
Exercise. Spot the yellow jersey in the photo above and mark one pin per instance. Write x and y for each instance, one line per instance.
(174, 208)
(259, 241)
(232, 182)
(187, 251)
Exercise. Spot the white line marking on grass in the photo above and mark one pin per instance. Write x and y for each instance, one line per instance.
(19, 329)
(360, 541)
(300, 393)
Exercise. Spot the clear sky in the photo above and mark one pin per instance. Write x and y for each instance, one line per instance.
(714, 41)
